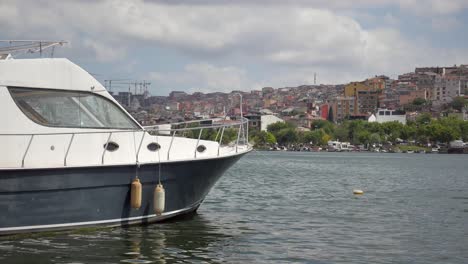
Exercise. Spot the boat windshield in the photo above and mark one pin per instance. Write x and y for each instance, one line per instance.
(58, 108)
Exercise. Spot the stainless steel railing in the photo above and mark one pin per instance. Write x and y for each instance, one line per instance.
(241, 126)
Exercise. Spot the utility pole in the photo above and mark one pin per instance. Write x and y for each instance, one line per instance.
(129, 92)
(459, 81)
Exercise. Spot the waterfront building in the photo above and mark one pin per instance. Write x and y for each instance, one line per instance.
(386, 115)
(261, 122)
(343, 107)
(367, 101)
(324, 111)
(254, 122)
(445, 89)
(366, 98)
(407, 97)
(266, 120)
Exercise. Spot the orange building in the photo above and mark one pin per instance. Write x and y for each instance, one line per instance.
(408, 98)
(366, 97)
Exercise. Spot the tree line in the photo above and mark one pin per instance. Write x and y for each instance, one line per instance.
(423, 130)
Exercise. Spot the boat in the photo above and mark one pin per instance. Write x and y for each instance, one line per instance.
(337, 146)
(456, 147)
(70, 153)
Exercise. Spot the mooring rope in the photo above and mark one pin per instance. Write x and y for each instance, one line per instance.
(136, 158)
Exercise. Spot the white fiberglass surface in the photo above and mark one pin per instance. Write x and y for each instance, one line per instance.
(47, 151)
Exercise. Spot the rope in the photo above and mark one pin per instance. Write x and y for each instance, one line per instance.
(291, 173)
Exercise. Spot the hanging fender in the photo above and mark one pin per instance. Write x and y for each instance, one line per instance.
(159, 199)
(135, 194)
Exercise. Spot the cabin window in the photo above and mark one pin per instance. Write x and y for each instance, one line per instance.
(59, 108)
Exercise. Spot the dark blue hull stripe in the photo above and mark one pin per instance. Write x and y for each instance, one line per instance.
(32, 200)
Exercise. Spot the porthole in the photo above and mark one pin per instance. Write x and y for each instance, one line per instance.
(153, 146)
(201, 148)
(111, 146)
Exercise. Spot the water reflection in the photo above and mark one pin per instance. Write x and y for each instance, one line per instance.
(183, 240)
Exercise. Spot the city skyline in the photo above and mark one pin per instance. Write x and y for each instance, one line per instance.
(211, 46)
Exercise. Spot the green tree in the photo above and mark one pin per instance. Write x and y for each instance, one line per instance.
(342, 133)
(314, 136)
(327, 126)
(438, 131)
(408, 132)
(270, 138)
(325, 138)
(374, 138)
(330, 115)
(419, 101)
(392, 130)
(458, 103)
(263, 138)
(374, 127)
(286, 136)
(230, 135)
(424, 118)
(275, 127)
(354, 127)
(361, 137)
(464, 130)
(422, 134)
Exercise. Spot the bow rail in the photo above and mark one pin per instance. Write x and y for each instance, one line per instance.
(172, 130)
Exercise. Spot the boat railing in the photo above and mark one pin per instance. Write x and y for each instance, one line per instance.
(173, 130)
(21, 47)
(241, 125)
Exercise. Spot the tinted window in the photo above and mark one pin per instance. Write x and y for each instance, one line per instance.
(70, 109)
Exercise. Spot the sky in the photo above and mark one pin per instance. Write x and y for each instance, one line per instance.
(225, 45)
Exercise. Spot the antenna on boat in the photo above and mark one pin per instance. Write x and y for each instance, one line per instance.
(16, 47)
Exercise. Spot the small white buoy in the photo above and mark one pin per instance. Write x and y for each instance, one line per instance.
(358, 192)
(159, 199)
(135, 194)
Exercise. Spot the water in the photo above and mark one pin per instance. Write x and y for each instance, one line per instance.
(277, 207)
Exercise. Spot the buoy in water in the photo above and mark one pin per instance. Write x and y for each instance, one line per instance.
(135, 194)
(358, 192)
(159, 199)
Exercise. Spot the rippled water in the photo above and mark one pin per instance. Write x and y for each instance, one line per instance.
(275, 207)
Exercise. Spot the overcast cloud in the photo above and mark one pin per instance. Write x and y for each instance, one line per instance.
(223, 45)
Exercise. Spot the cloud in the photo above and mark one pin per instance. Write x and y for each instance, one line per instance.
(443, 24)
(103, 52)
(203, 77)
(434, 7)
(422, 7)
(289, 39)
